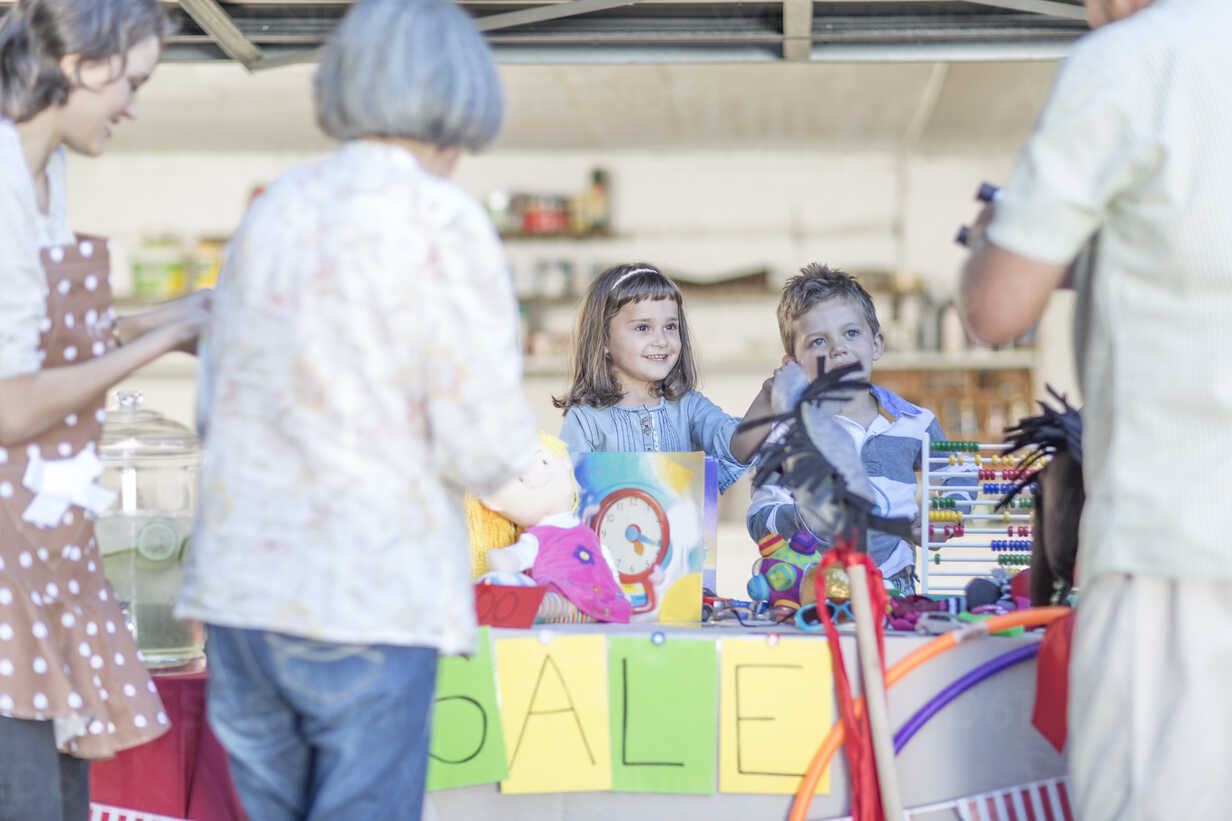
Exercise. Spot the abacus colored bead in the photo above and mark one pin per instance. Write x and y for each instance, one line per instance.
(959, 531)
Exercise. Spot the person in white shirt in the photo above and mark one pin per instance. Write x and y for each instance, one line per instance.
(1126, 186)
(360, 372)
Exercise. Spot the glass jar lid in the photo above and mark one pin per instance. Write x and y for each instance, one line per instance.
(133, 432)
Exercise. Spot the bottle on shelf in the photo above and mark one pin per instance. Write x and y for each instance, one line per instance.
(596, 203)
(159, 270)
(206, 262)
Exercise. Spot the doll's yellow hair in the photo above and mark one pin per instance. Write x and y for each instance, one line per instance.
(558, 448)
(487, 529)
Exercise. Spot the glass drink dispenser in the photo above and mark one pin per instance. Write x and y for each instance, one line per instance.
(151, 462)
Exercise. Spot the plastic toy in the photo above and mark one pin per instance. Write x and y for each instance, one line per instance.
(779, 574)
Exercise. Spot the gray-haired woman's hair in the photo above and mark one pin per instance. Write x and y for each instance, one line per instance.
(409, 68)
(36, 34)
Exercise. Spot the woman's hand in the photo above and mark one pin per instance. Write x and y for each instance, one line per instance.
(188, 315)
(189, 321)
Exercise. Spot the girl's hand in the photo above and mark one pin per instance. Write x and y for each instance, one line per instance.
(185, 326)
(188, 312)
(193, 314)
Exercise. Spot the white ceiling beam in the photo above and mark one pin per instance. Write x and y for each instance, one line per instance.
(1048, 7)
(492, 22)
(538, 14)
(218, 25)
(797, 29)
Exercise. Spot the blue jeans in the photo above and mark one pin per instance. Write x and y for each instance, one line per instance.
(36, 781)
(317, 730)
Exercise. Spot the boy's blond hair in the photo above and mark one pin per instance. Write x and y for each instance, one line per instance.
(816, 283)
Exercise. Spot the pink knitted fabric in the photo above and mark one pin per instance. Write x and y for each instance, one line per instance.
(571, 563)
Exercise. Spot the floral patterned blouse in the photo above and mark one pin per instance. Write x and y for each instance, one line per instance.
(360, 370)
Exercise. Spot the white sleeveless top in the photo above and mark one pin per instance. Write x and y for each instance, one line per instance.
(24, 229)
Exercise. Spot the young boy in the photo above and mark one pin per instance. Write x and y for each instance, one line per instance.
(826, 315)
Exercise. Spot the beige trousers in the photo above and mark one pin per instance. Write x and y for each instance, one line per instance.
(1150, 710)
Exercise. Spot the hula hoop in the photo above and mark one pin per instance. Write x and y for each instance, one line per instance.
(1034, 617)
(960, 685)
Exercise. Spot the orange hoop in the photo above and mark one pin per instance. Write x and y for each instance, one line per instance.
(1034, 617)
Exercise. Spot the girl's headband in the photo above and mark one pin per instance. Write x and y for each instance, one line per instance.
(628, 274)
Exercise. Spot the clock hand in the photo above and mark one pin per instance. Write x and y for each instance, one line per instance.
(634, 534)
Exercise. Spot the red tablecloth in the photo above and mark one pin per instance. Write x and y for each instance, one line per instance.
(183, 773)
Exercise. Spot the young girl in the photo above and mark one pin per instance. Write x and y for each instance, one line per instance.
(633, 375)
(72, 686)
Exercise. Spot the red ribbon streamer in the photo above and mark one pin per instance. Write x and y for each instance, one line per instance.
(865, 794)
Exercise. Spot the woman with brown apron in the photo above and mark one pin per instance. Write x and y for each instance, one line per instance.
(72, 686)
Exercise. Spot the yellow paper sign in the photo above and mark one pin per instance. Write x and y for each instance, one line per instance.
(555, 714)
(774, 710)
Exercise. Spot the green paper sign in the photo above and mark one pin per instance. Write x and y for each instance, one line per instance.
(467, 744)
(664, 715)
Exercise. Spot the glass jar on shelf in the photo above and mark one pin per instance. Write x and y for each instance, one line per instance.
(151, 463)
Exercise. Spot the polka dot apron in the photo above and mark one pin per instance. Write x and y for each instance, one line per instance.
(65, 653)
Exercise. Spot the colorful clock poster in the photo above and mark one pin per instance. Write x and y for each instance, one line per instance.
(652, 512)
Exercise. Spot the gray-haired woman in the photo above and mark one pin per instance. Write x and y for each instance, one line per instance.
(72, 686)
(360, 369)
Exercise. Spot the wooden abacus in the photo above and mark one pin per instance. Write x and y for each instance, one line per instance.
(962, 535)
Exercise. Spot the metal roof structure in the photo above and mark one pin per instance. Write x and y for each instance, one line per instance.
(268, 33)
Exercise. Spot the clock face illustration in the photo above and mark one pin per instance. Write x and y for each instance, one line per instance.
(632, 525)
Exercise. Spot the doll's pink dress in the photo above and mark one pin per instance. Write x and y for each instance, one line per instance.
(570, 561)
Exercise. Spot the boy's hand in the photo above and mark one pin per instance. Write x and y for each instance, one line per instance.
(745, 443)
(934, 539)
(917, 534)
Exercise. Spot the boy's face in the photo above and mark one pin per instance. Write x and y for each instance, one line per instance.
(836, 330)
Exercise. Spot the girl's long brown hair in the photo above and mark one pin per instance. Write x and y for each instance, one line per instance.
(593, 383)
